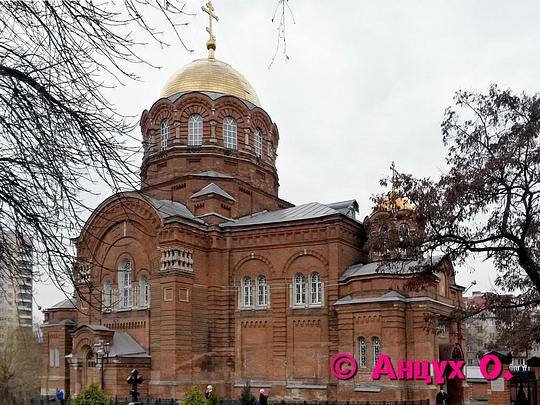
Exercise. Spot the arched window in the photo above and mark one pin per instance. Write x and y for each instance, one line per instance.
(376, 348)
(247, 293)
(195, 130)
(164, 133)
(229, 133)
(442, 283)
(299, 289)
(257, 142)
(262, 291)
(107, 290)
(315, 286)
(362, 362)
(403, 231)
(124, 283)
(144, 291)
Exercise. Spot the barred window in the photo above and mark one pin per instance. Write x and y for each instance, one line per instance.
(195, 130)
(229, 133)
(257, 139)
(376, 348)
(164, 134)
(262, 291)
(362, 363)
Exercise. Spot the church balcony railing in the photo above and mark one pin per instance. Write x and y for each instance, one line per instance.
(126, 299)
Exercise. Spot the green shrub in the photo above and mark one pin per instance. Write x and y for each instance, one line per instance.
(247, 397)
(92, 395)
(194, 396)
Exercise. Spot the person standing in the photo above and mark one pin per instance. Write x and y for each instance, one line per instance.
(60, 396)
(442, 398)
(263, 398)
(208, 392)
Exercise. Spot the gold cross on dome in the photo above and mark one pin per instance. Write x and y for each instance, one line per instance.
(211, 44)
(394, 177)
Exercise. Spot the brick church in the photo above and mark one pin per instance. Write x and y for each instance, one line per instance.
(206, 276)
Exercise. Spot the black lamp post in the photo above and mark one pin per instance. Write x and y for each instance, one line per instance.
(101, 354)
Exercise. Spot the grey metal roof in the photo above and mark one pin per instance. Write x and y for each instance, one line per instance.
(123, 345)
(213, 188)
(63, 322)
(64, 304)
(389, 267)
(213, 173)
(348, 208)
(169, 209)
(388, 297)
(300, 212)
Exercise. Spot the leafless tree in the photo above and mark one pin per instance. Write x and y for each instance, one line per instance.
(488, 200)
(59, 134)
(20, 360)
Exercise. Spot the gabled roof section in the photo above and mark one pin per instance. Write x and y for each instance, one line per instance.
(167, 209)
(396, 267)
(298, 213)
(213, 188)
(123, 345)
(64, 304)
(348, 208)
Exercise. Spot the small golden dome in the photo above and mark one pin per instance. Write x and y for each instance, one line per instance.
(394, 202)
(210, 75)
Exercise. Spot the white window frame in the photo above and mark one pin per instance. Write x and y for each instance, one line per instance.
(258, 142)
(315, 289)
(230, 133)
(54, 357)
(124, 283)
(164, 133)
(144, 291)
(195, 130)
(247, 292)
(299, 290)
(262, 291)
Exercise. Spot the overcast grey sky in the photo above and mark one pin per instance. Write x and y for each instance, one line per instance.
(367, 83)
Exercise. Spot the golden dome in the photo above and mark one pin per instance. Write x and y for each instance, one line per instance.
(210, 75)
(394, 202)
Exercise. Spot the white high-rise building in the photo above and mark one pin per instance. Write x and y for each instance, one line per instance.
(16, 289)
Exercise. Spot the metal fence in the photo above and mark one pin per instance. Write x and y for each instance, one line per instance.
(170, 401)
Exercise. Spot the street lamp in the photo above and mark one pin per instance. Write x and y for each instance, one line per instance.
(101, 354)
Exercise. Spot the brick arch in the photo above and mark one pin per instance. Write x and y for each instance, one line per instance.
(143, 271)
(249, 258)
(305, 252)
(110, 212)
(193, 103)
(230, 106)
(144, 122)
(111, 255)
(259, 120)
(83, 339)
(163, 108)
